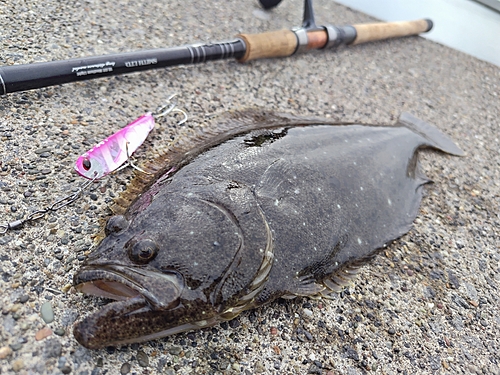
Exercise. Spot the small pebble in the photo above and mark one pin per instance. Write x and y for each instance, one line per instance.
(175, 350)
(15, 347)
(42, 150)
(142, 358)
(47, 313)
(5, 352)
(24, 298)
(43, 333)
(308, 313)
(110, 349)
(66, 370)
(60, 332)
(308, 335)
(18, 365)
(125, 369)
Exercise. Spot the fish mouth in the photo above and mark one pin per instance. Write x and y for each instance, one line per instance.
(147, 305)
(120, 282)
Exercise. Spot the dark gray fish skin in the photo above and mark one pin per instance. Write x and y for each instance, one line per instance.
(280, 211)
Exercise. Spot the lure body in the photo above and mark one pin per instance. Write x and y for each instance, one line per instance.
(112, 152)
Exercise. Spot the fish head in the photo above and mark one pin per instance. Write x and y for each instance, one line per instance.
(170, 269)
(89, 167)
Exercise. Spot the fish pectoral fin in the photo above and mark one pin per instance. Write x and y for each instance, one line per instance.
(436, 138)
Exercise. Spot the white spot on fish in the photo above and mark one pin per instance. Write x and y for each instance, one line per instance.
(276, 202)
(338, 205)
(195, 263)
(354, 163)
(304, 224)
(359, 241)
(389, 201)
(361, 188)
(297, 191)
(191, 232)
(319, 189)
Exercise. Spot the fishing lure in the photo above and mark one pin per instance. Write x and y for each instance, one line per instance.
(106, 157)
(113, 152)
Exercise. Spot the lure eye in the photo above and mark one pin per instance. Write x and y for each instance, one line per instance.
(116, 225)
(86, 164)
(143, 251)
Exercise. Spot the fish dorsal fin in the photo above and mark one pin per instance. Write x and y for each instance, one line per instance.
(192, 141)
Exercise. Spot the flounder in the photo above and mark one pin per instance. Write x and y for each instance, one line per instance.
(260, 206)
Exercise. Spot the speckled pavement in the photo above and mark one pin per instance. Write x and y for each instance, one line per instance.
(426, 305)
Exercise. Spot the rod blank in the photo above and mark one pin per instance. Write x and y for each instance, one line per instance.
(33, 76)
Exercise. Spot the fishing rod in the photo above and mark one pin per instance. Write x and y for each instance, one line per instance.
(244, 47)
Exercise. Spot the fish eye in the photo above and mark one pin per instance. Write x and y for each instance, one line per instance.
(86, 164)
(115, 225)
(143, 251)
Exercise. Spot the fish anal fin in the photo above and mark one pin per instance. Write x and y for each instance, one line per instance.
(341, 278)
(307, 288)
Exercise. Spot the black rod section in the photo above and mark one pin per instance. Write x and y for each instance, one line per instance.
(33, 76)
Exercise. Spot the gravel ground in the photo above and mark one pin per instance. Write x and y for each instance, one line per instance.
(427, 304)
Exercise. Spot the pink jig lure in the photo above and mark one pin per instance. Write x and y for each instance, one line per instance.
(111, 153)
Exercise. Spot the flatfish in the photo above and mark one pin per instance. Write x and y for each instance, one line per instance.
(257, 206)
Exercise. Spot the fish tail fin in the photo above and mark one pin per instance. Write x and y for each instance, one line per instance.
(435, 137)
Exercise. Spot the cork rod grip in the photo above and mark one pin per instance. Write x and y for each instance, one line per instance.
(378, 31)
(279, 43)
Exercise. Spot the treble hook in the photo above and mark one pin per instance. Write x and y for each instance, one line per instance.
(171, 108)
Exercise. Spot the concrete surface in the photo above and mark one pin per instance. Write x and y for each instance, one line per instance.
(428, 304)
